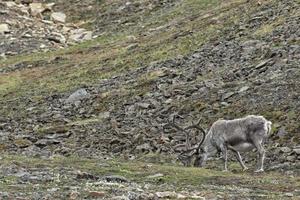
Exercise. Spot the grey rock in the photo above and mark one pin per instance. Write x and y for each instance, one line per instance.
(288, 194)
(297, 151)
(285, 149)
(243, 89)
(227, 95)
(46, 142)
(36, 8)
(115, 178)
(4, 28)
(225, 104)
(57, 37)
(85, 175)
(120, 198)
(144, 147)
(285, 165)
(79, 35)
(166, 194)
(58, 17)
(282, 132)
(155, 176)
(104, 115)
(10, 4)
(143, 105)
(77, 96)
(291, 158)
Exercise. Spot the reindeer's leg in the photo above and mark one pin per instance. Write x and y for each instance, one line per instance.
(261, 153)
(225, 156)
(239, 158)
(238, 155)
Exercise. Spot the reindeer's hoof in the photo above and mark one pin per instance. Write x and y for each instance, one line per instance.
(259, 171)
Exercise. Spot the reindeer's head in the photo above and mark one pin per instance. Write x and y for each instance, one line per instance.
(201, 157)
(186, 156)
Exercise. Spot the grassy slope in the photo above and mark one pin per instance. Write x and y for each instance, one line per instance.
(135, 41)
(175, 178)
(109, 54)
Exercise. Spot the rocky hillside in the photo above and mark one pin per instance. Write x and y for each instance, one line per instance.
(113, 95)
(35, 27)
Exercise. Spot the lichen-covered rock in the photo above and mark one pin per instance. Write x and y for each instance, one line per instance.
(4, 28)
(58, 17)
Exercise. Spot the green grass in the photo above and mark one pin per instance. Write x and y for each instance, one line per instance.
(179, 178)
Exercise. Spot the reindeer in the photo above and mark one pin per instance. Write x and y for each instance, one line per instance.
(238, 135)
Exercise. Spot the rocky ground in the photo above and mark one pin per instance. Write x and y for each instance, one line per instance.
(112, 97)
(79, 178)
(35, 27)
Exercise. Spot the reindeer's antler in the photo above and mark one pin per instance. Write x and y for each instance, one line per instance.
(198, 127)
(187, 133)
(184, 130)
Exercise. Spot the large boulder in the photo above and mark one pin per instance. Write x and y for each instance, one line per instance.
(77, 96)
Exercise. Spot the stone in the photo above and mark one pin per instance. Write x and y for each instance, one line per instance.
(285, 149)
(227, 95)
(166, 194)
(74, 195)
(243, 89)
(58, 17)
(46, 142)
(10, 4)
(79, 35)
(96, 194)
(285, 165)
(197, 197)
(144, 147)
(36, 9)
(120, 198)
(22, 143)
(77, 96)
(282, 132)
(85, 175)
(181, 196)
(288, 194)
(132, 46)
(296, 151)
(291, 158)
(263, 63)
(49, 6)
(26, 1)
(155, 176)
(225, 104)
(4, 28)
(115, 178)
(143, 105)
(104, 115)
(57, 37)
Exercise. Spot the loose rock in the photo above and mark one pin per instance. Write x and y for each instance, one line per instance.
(58, 17)
(4, 28)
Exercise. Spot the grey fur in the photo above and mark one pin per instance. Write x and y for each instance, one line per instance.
(238, 135)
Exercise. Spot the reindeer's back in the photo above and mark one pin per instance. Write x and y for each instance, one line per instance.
(257, 124)
(239, 129)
